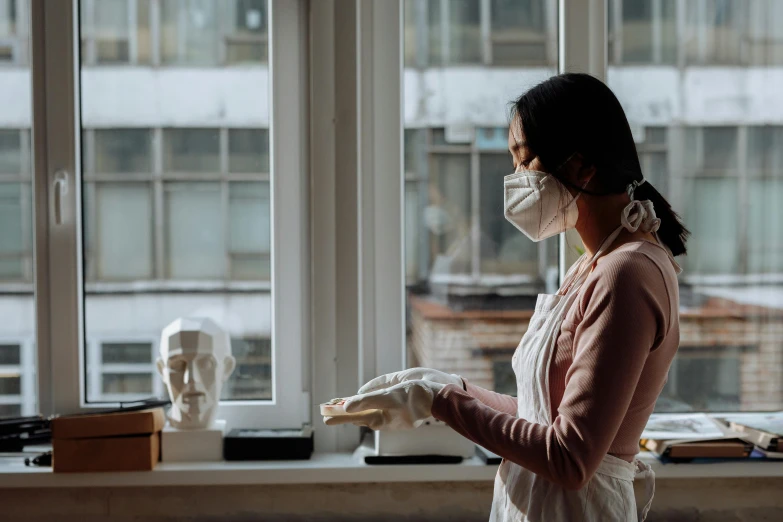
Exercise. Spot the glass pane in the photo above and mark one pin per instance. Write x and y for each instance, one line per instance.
(176, 175)
(471, 277)
(10, 151)
(253, 375)
(519, 32)
(637, 34)
(721, 169)
(18, 384)
(123, 228)
(249, 230)
(118, 353)
(15, 244)
(194, 231)
(503, 249)
(10, 354)
(191, 150)
(123, 150)
(246, 39)
(189, 32)
(248, 151)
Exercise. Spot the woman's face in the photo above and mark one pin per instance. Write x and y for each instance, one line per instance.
(525, 159)
(521, 155)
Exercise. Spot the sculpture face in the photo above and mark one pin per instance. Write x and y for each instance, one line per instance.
(195, 360)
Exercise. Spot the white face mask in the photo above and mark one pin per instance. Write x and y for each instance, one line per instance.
(538, 204)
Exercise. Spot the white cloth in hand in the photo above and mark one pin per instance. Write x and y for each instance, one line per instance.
(399, 407)
(412, 374)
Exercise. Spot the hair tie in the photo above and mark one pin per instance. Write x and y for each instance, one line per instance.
(631, 188)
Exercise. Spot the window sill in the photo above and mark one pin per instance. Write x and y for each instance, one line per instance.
(332, 468)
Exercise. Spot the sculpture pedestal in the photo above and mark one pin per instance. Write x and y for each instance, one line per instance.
(193, 445)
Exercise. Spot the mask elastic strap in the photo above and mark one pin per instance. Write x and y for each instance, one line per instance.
(631, 188)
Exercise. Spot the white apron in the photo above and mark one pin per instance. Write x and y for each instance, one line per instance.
(520, 494)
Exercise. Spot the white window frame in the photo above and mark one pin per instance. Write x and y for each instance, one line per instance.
(58, 222)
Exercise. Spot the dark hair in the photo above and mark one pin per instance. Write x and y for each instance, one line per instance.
(576, 113)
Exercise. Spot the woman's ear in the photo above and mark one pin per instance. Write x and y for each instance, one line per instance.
(582, 170)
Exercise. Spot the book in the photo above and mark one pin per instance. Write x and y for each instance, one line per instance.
(114, 424)
(765, 430)
(692, 436)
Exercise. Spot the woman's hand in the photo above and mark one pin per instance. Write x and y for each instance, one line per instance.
(413, 374)
(397, 407)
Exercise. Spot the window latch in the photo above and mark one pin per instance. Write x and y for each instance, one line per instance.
(60, 190)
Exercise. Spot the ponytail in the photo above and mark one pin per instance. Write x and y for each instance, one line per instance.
(672, 232)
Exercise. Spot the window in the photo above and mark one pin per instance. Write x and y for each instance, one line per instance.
(643, 32)
(503, 378)
(10, 410)
(721, 170)
(130, 353)
(116, 31)
(469, 271)
(10, 354)
(14, 31)
(178, 194)
(463, 32)
(252, 377)
(519, 32)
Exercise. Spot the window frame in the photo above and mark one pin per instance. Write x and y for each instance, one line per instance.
(58, 180)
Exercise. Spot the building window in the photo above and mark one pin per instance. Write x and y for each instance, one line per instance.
(10, 410)
(136, 384)
(252, 378)
(249, 231)
(248, 151)
(124, 151)
(10, 355)
(11, 152)
(116, 31)
(642, 31)
(519, 32)
(10, 384)
(14, 31)
(191, 150)
(246, 40)
(126, 353)
(195, 235)
(714, 32)
(189, 32)
(703, 379)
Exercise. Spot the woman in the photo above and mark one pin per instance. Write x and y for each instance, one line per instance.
(596, 355)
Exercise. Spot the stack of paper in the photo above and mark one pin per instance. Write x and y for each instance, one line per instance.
(690, 436)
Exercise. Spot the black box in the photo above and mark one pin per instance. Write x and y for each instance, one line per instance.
(251, 444)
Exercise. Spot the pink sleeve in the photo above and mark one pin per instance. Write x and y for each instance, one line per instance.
(621, 320)
(497, 401)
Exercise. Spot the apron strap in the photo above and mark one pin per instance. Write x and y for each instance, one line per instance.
(644, 472)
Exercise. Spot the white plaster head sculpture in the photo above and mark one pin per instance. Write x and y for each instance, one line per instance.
(195, 360)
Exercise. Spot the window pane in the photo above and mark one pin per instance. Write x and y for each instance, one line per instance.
(471, 277)
(765, 226)
(10, 410)
(117, 353)
(504, 250)
(189, 32)
(18, 386)
(176, 215)
(123, 150)
(519, 32)
(15, 247)
(448, 214)
(246, 38)
(123, 231)
(712, 145)
(195, 237)
(10, 385)
(10, 354)
(248, 151)
(711, 214)
(10, 151)
(637, 32)
(253, 375)
(191, 150)
(134, 384)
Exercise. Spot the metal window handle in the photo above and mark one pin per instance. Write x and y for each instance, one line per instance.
(60, 189)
